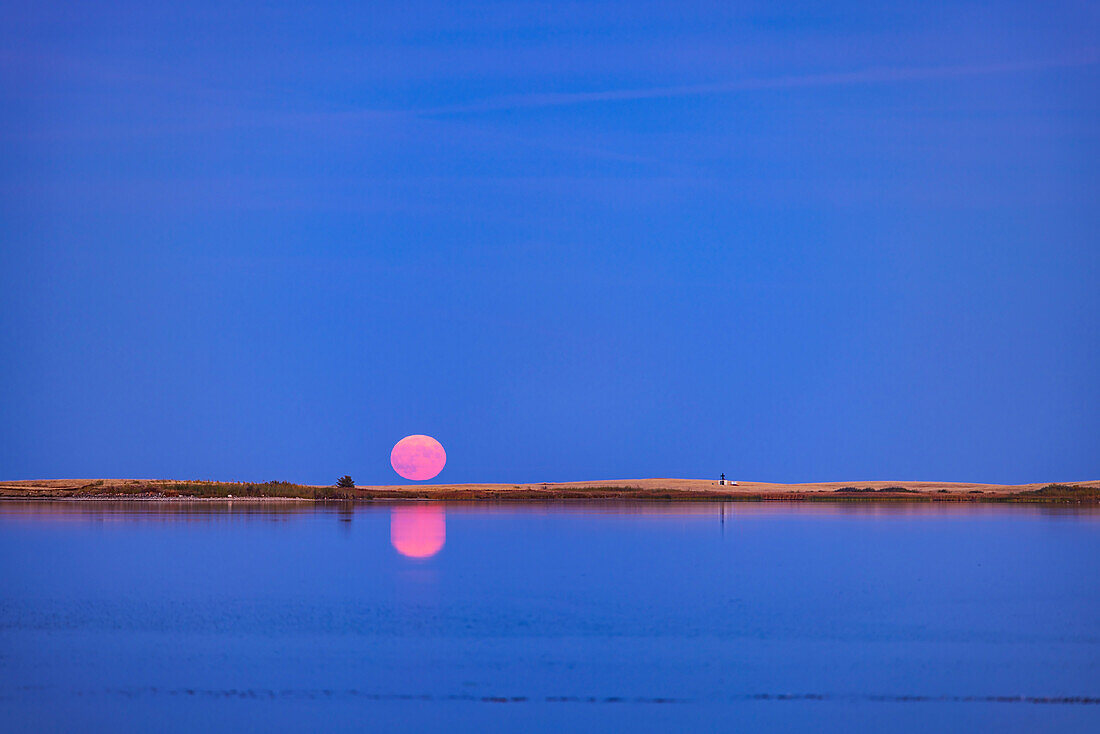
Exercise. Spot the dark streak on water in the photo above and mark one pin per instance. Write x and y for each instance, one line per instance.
(270, 694)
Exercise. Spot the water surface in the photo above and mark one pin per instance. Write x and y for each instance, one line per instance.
(177, 616)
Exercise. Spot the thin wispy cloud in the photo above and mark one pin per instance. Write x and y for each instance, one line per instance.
(217, 114)
(876, 75)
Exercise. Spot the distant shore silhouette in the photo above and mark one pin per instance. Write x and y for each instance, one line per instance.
(623, 489)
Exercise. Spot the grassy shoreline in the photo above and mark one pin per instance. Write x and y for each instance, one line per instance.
(644, 490)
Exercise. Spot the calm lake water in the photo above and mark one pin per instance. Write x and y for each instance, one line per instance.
(219, 616)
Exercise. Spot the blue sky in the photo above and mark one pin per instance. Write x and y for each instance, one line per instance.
(789, 242)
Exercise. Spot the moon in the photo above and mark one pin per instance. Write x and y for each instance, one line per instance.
(418, 457)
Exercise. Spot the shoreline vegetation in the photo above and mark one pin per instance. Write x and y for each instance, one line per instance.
(639, 490)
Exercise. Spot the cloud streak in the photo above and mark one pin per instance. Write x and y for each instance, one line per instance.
(876, 75)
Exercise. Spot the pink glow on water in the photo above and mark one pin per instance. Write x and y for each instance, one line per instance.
(418, 531)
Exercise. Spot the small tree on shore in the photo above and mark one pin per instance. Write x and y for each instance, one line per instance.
(345, 482)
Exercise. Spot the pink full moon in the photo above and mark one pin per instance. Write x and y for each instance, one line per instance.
(418, 457)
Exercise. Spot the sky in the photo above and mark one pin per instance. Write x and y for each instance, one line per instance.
(785, 241)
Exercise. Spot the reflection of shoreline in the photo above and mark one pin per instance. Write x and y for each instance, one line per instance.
(277, 510)
(418, 531)
(158, 509)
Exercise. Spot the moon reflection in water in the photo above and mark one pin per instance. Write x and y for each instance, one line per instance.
(418, 531)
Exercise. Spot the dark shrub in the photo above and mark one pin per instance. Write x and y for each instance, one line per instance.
(1064, 492)
(345, 482)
